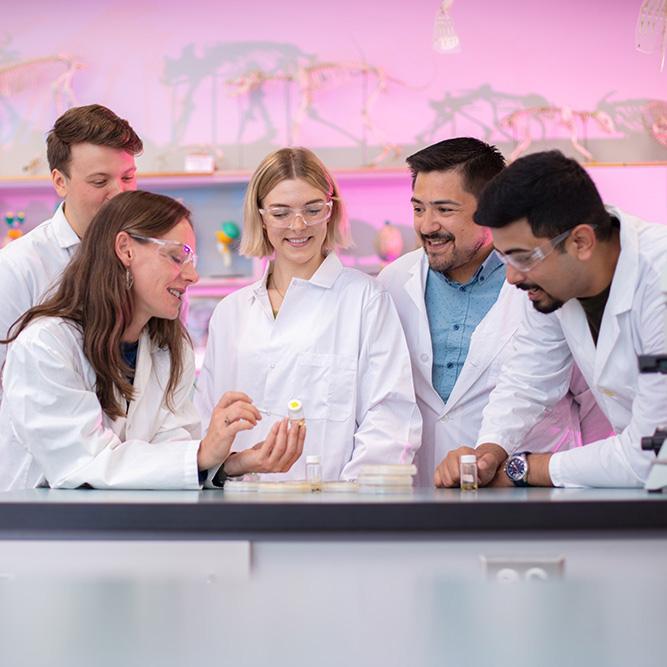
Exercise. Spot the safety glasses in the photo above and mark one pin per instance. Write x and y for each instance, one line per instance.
(179, 253)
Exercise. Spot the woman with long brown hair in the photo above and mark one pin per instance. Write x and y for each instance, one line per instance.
(98, 377)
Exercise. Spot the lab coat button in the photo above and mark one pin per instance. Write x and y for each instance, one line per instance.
(608, 392)
(444, 419)
(424, 357)
(272, 366)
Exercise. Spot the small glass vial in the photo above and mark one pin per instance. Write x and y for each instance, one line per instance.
(468, 471)
(314, 473)
(295, 412)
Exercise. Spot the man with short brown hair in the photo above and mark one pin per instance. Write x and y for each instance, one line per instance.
(91, 155)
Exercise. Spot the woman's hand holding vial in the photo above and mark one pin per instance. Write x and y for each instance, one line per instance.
(277, 453)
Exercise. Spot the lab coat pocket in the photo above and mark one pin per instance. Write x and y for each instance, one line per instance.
(328, 382)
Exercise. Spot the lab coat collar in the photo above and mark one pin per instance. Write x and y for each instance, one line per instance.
(622, 292)
(624, 282)
(415, 285)
(327, 272)
(260, 286)
(325, 276)
(62, 230)
(621, 296)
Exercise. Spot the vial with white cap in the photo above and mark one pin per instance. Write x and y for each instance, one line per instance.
(314, 472)
(468, 470)
(295, 412)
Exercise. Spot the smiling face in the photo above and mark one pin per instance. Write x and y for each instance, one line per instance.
(443, 221)
(96, 174)
(551, 281)
(299, 244)
(160, 280)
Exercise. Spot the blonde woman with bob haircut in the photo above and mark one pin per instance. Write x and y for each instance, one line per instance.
(311, 330)
(99, 376)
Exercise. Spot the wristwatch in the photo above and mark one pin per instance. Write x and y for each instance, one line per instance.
(516, 469)
(218, 480)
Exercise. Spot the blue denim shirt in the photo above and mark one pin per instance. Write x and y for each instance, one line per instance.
(454, 311)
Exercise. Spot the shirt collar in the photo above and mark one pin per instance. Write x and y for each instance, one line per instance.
(490, 265)
(62, 230)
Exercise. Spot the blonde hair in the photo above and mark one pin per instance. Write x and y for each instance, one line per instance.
(282, 165)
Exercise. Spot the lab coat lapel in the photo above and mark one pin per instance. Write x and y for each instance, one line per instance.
(621, 296)
(142, 375)
(415, 288)
(575, 325)
(488, 339)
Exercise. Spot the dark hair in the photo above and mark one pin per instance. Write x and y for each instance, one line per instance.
(477, 161)
(93, 294)
(553, 192)
(92, 124)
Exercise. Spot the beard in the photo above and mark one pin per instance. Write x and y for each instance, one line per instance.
(442, 263)
(546, 304)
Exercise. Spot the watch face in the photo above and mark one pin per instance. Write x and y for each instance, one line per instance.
(516, 468)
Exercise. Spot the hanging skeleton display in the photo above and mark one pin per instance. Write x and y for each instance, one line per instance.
(445, 39)
(651, 29)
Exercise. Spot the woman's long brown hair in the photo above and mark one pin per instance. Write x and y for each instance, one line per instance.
(93, 294)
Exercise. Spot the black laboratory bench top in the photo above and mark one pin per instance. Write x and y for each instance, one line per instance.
(212, 514)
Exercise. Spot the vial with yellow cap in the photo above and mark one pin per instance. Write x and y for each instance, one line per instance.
(295, 412)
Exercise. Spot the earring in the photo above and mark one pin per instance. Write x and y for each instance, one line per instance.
(129, 279)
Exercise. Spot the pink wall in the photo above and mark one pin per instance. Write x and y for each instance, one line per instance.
(514, 53)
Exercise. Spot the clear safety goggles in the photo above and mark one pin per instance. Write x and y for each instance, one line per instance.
(529, 259)
(180, 253)
(283, 217)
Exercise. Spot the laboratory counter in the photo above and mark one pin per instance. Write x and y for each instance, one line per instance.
(214, 514)
(368, 549)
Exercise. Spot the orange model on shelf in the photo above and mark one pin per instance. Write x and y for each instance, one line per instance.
(228, 233)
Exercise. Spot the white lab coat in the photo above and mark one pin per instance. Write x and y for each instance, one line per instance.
(537, 374)
(29, 266)
(337, 345)
(457, 422)
(53, 430)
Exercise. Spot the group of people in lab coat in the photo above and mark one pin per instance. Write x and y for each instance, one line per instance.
(440, 356)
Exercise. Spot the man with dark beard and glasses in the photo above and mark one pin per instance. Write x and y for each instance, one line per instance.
(593, 275)
(459, 313)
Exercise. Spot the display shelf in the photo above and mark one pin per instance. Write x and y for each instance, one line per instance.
(241, 176)
(204, 179)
